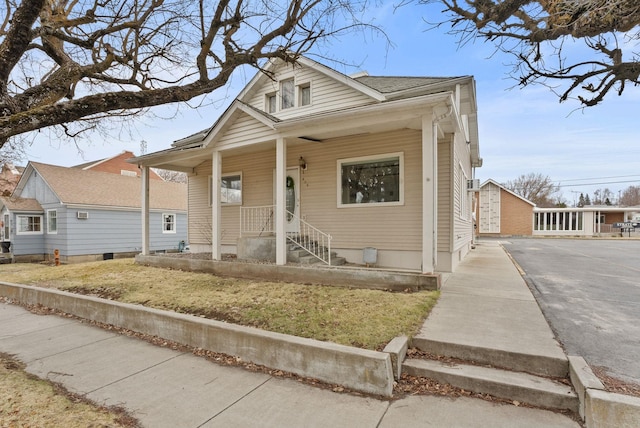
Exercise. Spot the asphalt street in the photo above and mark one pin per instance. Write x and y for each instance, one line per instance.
(589, 291)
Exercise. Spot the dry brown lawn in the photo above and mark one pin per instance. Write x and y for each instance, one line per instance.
(26, 401)
(354, 317)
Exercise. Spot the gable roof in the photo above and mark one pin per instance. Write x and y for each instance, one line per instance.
(396, 98)
(75, 186)
(20, 204)
(490, 181)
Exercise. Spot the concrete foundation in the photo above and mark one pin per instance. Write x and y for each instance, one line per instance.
(259, 248)
(340, 276)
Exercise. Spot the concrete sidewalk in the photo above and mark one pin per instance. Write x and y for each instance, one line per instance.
(162, 387)
(487, 314)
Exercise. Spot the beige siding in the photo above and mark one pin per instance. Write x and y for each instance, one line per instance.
(326, 94)
(245, 130)
(462, 221)
(445, 201)
(384, 227)
(257, 189)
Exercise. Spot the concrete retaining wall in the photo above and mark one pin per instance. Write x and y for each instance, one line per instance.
(349, 277)
(358, 369)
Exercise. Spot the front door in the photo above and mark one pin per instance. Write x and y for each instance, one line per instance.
(292, 199)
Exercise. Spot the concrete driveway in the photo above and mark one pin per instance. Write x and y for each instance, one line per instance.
(589, 291)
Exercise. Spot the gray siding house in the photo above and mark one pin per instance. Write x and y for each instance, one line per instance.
(87, 215)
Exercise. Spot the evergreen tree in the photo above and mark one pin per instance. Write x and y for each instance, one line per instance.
(581, 200)
(587, 200)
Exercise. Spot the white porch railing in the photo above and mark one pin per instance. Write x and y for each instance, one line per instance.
(311, 239)
(261, 221)
(257, 220)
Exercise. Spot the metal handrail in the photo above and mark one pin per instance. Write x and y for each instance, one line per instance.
(311, 239)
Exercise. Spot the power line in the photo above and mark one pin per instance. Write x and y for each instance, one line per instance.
(599, 178)
(597, 184)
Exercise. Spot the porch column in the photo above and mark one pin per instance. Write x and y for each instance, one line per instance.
(429, 193)
(216, 211)
(145, 210)
(281, 215)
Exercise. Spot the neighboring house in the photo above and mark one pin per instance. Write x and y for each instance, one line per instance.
(116, 165)
(88, 215)
(9, 176)
(379, 164)
(501, 212)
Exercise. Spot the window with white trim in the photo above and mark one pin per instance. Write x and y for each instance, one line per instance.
(287, 94)
(52, 221)
(304, 94)
(230, 189)
(29, 224)
(271, 103)
(371, 180)
(168, 223)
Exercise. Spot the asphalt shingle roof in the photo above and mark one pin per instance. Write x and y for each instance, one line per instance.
(390, 84)
(76, 186)
(20, 204)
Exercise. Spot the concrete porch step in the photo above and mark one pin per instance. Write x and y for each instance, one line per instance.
(543, 365)
(516, 386)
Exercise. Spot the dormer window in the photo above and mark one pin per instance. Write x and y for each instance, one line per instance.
(271, 103)
(304, 94)
(287, 94)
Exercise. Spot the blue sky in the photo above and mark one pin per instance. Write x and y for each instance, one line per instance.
(521, 130)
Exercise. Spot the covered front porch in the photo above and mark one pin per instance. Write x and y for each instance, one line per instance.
(309, 213)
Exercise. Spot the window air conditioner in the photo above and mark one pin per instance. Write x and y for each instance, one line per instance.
(83, 215)
(473, 185)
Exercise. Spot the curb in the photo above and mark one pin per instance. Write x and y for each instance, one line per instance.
(358, 369)
(599, 408)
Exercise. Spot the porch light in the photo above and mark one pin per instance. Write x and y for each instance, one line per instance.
(302, 163)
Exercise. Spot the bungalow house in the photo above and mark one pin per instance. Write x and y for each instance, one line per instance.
(375, 168)
(87, 215)
(501, 212)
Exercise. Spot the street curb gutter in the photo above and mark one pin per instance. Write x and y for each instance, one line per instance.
(358, 369)
(599, 408)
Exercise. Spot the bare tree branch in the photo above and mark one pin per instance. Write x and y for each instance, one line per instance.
(535, 31)
(64, 61)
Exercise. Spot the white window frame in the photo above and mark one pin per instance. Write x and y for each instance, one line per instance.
(19, 224)
(230, 174)
(174, 223)
(272, 96)
(52, 231)
(371, 159)
(300, 88)
(282, 94)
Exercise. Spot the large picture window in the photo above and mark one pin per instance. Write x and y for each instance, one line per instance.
(29, 224)
(371, 180)
(230, 189)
